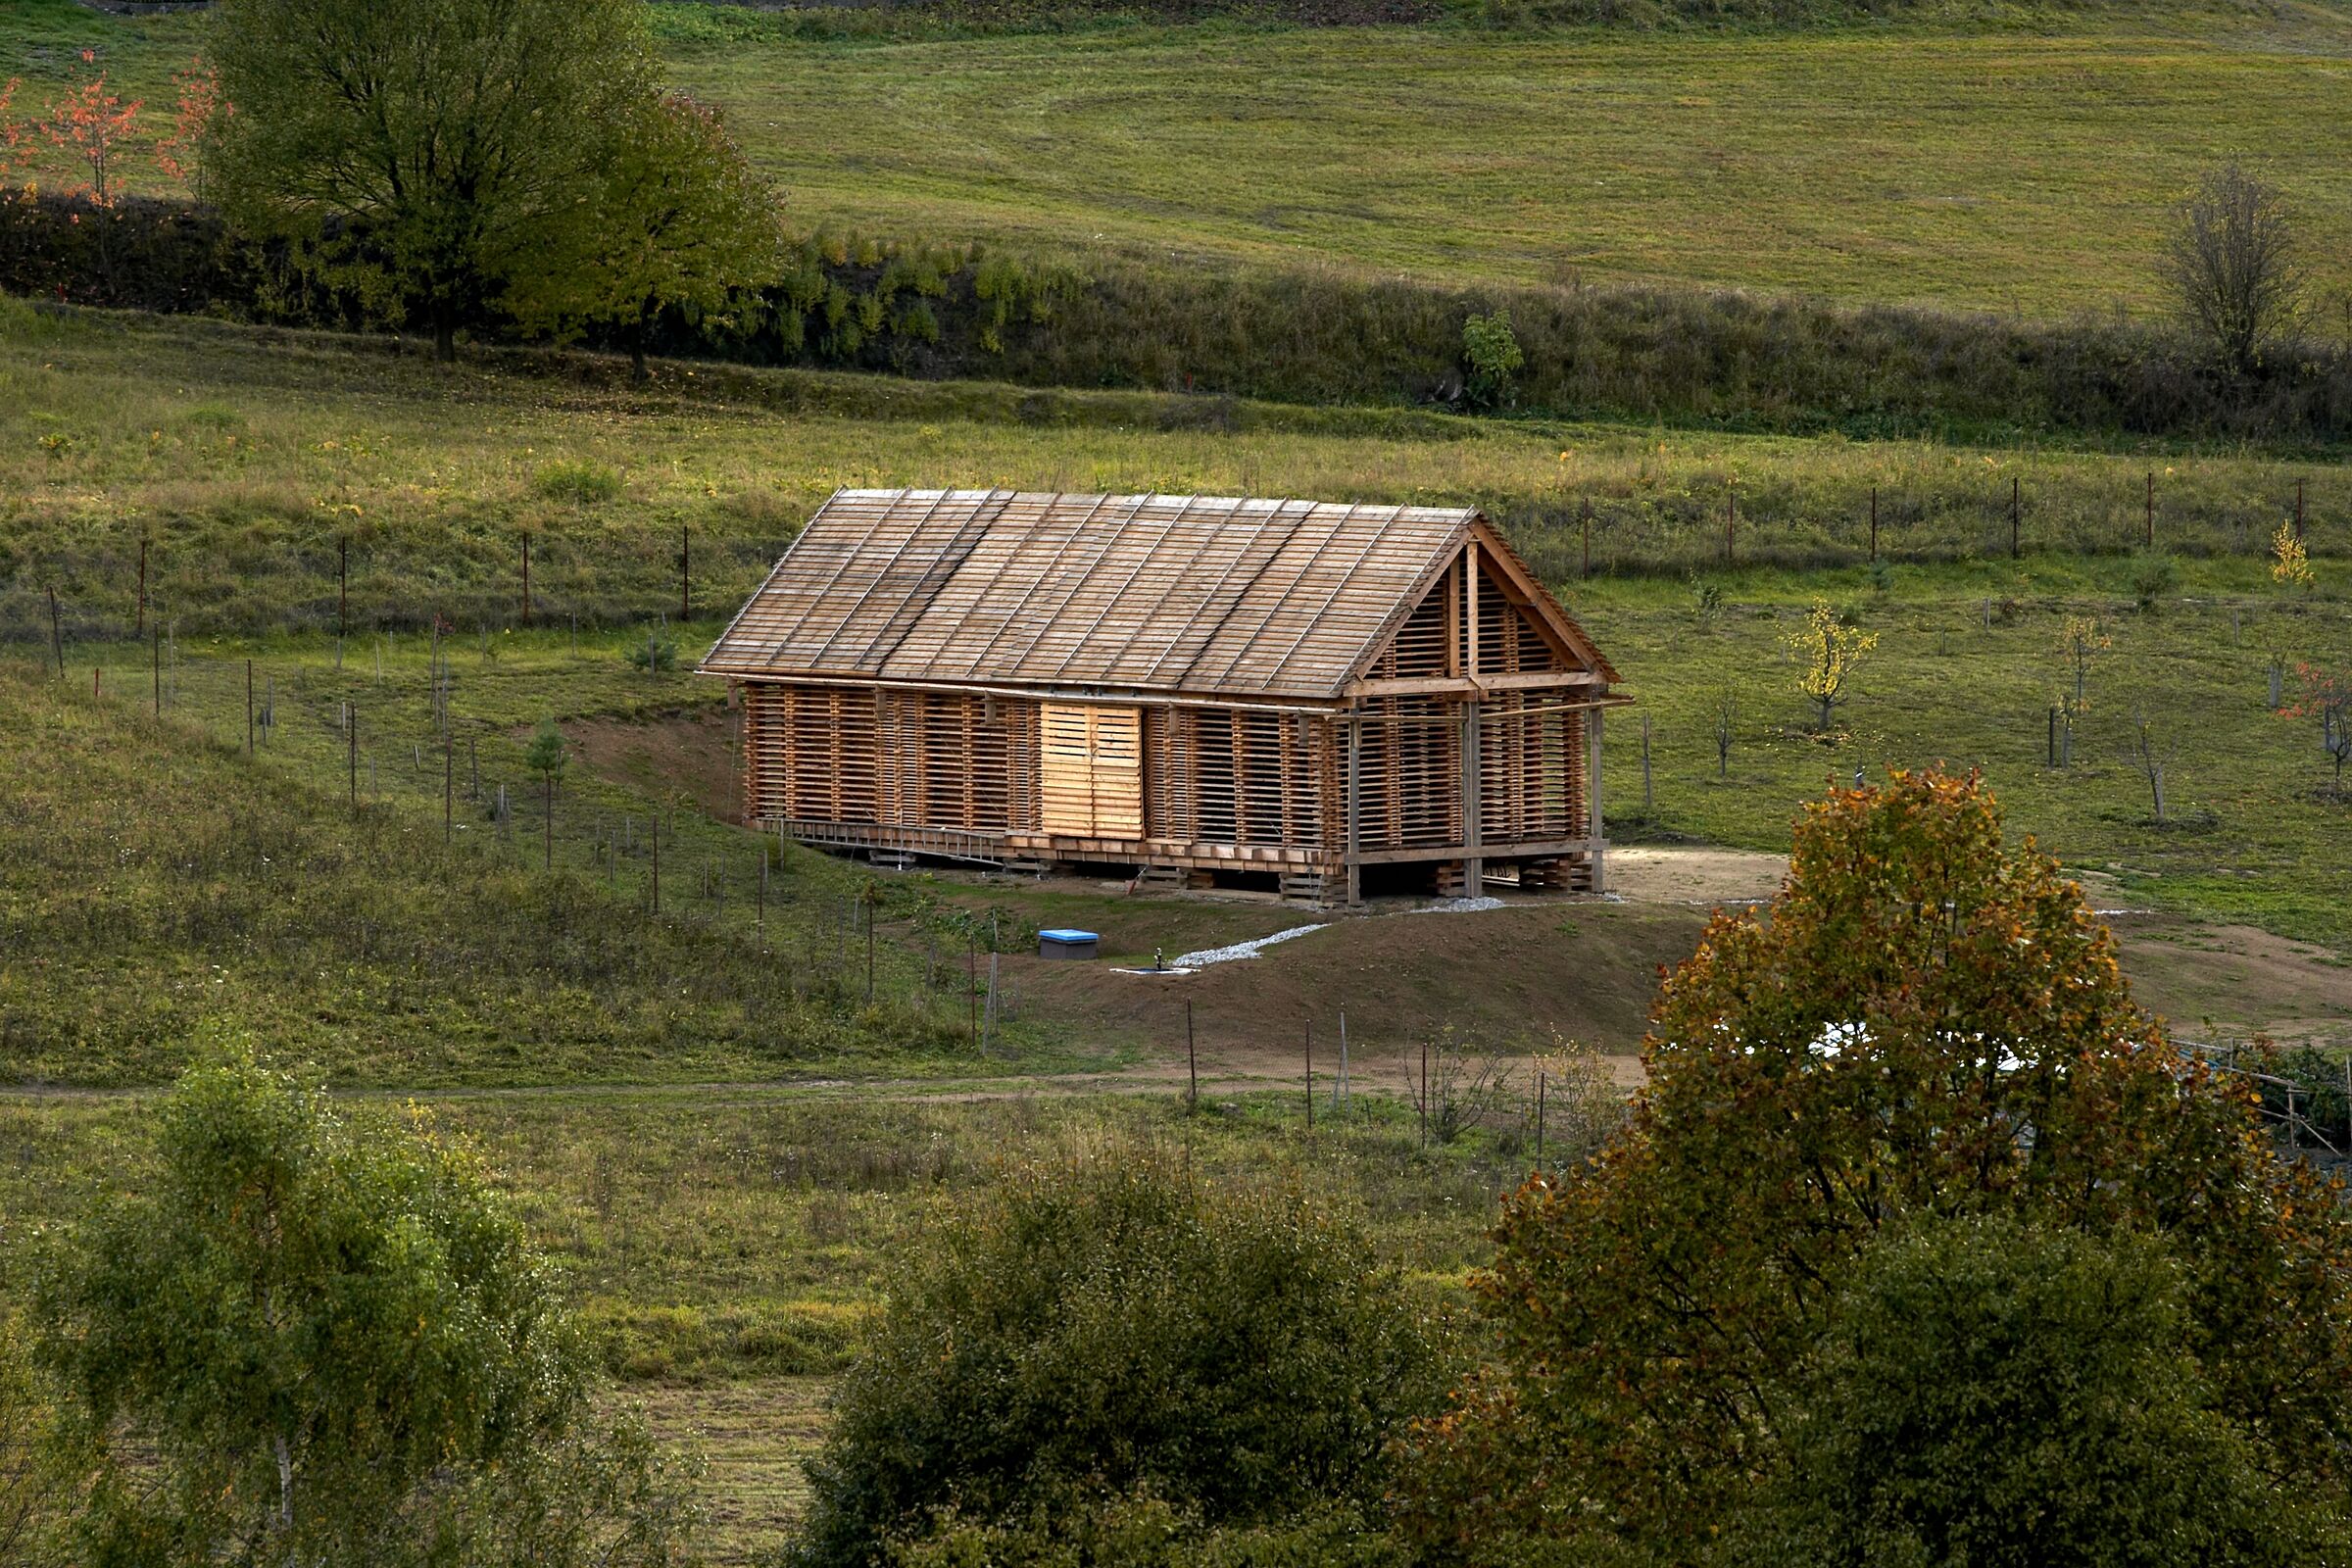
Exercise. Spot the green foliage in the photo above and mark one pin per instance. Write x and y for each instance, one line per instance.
(548, 752)
(2153, 578)
(580, 483)
(1987, 1390)
(1102, 1328)
(681, 222)
(315, 1338)
(420, 154)
(36, 1483)
(1139, 1530)
(655, 654)
(1869, 1050)
(1490, 353)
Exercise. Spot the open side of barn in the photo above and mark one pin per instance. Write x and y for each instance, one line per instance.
(1196, 688)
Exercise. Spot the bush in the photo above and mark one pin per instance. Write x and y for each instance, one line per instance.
(1991, 1391)
(1490, 351)
(1118, 1329)
(583, 484)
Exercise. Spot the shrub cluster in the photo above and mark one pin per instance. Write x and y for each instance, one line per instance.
(1688, 354)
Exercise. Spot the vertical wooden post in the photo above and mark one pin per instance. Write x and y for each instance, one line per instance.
(2151, 530)
(2013, 516)
(971, 984)
(1191, 1062)
(158, 643)
(351, 747)
(1595, 828)
(449, 786)
(342, 588)
(249, 709)
(1310, 1075)
(1470, 597)
(1474, 865)
(57, 637)
(142, 585)
(97, 687)
(1424, 1099)
(1355, 849)
(760, 909)
(685, 573)
(870, 946)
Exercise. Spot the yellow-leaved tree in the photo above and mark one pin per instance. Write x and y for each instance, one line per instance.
(1827, 649)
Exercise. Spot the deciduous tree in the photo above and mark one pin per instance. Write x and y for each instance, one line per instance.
(680, 221)
(311, 1339)
(417, 150)
(1827, 649)
(2232, 262)
(1924, 1022)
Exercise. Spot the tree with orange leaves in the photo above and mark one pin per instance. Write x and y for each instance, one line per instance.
(1925, 1025)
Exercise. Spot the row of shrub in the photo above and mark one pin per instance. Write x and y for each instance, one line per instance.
(1683, 355)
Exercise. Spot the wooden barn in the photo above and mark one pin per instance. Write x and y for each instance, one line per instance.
(1307, 696)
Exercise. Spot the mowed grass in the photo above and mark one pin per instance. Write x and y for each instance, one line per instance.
(1998, 172)
(2020, 167)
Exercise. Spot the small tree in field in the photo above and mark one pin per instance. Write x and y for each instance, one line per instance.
(1827, 651)
(1926, 1022)
(680, 221)
(2290, 563)
(2080, 641)
(2234, 266)
(547, 756)
(2327, 696)
(308, 1340)
(416, 152)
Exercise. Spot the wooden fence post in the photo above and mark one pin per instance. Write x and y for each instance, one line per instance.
(57, 637)
(449, 786)
(351, 740)
(685, 573)
(249, 709)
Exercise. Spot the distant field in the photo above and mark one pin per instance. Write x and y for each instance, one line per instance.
(2022, 167)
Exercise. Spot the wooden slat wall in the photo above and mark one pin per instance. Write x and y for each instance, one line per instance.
(1531, 771)
(932, 760)
(1236, 776)
(1410, 774)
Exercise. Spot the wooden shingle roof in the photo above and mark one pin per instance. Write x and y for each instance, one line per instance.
(1211, 595)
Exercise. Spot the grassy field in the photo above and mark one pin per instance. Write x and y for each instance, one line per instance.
(250, 457)
(2010, 163)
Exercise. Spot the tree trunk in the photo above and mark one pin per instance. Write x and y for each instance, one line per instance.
(2156, 789)
(637, 370)
(445, 341)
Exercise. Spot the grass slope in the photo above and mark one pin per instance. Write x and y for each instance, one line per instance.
(248, 457)
(1988, 165)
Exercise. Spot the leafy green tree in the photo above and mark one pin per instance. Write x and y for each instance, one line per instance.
(1924, 1022)
(416, 152)
(309, 1340)
(1115, 1330)
(1491, 350)
(681, 220)
(1993, 1392)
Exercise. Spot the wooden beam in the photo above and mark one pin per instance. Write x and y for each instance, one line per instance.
(1356, 748)
(1473, 867)
(1464, 686)
(1505, 849)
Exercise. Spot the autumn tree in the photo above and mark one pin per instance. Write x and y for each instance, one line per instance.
(1990, 1391)
(2235, 265)
(2326, 695)
(2291, 562)
(416, 152)
(679, 220)
(2080, 641)
(1827, 650)
(1925, 1022)
(314, 1338)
